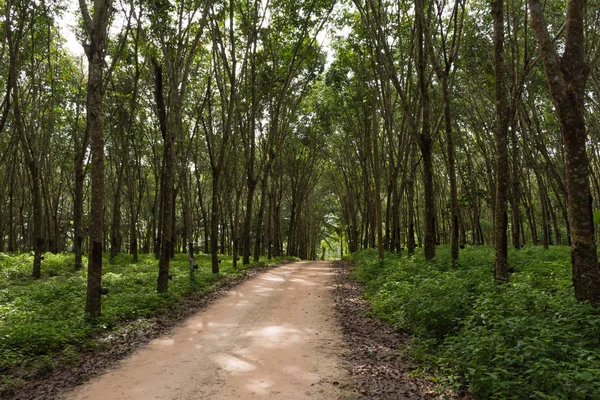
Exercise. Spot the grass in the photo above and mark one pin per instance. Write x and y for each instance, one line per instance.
(40, 317)
(528, 339)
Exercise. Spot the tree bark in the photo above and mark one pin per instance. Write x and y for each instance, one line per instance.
(377, 193)
(95, 52)
(425, 140)
(80, 151)
(115, 226)
(454, 209)
(167, 187)
(502, 167)
(516, 191)
(567, 77)
(410, 199)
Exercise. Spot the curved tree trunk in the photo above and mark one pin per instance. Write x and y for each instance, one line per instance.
(567, 77)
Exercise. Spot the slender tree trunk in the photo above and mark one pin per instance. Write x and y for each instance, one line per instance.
(410, 199)
(502, 167)
(270, 221)
(454, 209)
(115, 226)
(174, 245)
(96, 30)
(377, 194)
(133, 248)
(235, 227)
(530, 212)
(259, 219)
(187, 221)
(291, 249)
(166, 183)
(544, 207)
(214, 223)
(516, 191)
(425, 140)
(247, 229)
(11, 213)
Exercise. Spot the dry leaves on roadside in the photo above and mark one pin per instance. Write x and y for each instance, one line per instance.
(374, 359)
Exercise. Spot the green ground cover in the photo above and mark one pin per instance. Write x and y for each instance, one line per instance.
(38, 318)
(525, 339)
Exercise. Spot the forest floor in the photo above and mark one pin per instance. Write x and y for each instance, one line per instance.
(297, 331)
(273, 337)
(376, 356)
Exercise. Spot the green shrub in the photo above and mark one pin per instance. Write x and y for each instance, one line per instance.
(525, 339)
(40, 317)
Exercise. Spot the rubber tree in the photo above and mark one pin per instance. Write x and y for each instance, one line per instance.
(567, 77)
(95, 27)
(224, 71)
(443, 69)
(502, 167)
(15, 33)
(178, 46)
(425, 138)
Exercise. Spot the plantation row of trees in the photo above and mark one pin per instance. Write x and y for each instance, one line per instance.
(188, 126)
(224, 127)
(470, 122)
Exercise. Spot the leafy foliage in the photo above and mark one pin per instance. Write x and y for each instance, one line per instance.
(526, 339)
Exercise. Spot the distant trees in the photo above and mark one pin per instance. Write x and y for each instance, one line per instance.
(494, 131)
(179, 105)
(227, 128)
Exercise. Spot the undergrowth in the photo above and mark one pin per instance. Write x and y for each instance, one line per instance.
(527, 339)
(41, 318)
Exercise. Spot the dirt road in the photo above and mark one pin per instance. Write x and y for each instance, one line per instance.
(273, 337)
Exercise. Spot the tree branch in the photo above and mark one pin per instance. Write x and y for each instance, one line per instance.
(85, 13)
(548, 52)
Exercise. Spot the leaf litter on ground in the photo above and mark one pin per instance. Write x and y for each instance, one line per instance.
(375, 357)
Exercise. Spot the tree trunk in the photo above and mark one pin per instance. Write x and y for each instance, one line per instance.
(410, 199)
(502, 167)
(425, 140)
(115, 226)
(567, 77)
(11, 214)
(247, 229)
(174, 247)
(516, 191)
(454, 209)
(96, 31)
(187, 221)
(377, 193)
(166, 182)
(214, 223)
(259, 219)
